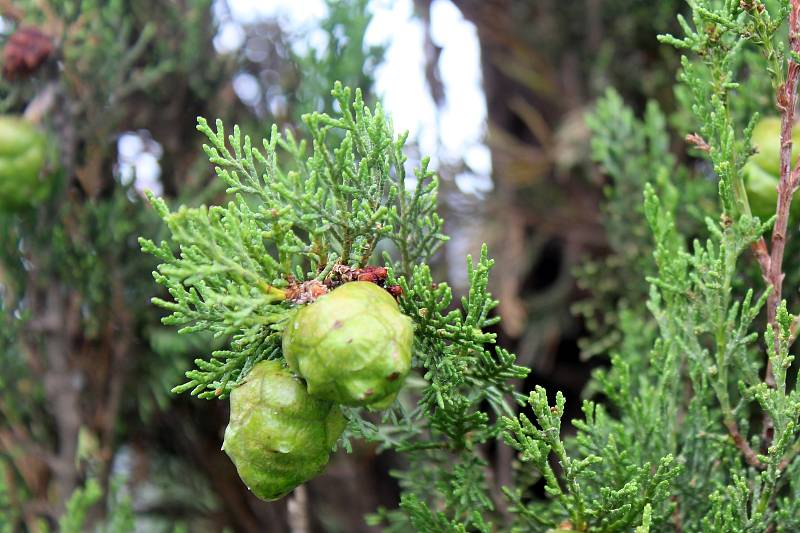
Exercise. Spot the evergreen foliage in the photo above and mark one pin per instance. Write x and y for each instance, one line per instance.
(336, 207)
(119, 513)
(85, 366)
(691, 426)
(689, 435)
(333, 207)
(701, 385)
(346, 58)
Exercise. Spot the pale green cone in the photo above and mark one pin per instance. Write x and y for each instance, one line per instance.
(762, 171)
(23, 152)
(278, 436)
(767, 140)
(352, 346)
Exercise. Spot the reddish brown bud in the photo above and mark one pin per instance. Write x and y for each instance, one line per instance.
(395, 290)
(305, 292)
(346, 274)
(373, 274)
(25, 51)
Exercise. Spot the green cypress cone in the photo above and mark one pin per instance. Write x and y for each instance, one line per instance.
(23, 152)
(352, 346)
(762, 170)
(767, 140)
(278, 436)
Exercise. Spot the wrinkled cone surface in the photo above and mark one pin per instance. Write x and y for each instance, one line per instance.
(278, 436)
(352, 346)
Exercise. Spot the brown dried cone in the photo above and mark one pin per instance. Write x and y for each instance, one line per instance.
(26, 50)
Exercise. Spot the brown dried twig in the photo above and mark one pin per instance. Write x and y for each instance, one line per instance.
(786, 99)
(309, 291)
(749, 454)
(698, 142)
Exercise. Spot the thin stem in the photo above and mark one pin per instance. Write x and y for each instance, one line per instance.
(740, 442)
(786, 101)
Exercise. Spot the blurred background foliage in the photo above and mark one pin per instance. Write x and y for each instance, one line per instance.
(89, 434)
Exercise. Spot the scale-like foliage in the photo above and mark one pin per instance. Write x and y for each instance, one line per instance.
(690, 430)
(685, 432)
(288, 222)
(690, 435)
(301, 215)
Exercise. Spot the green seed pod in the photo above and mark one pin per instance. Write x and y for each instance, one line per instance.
(352, 346)
(762, 192)
(23, 152)
(762, 170)
(278, 436)
(767, 140)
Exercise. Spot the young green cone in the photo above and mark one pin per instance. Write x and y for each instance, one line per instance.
(762, 170)
(352, 346)
(278, 436)
(23, 152)
(767, 140)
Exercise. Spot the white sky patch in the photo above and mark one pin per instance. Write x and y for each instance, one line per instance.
(247, 88)
(293, 12)
(230, 37)
(449, 134)
(458, 129)
(299, 18)
(463, 119)
(138, 158)
(400, 79)
(453, 133)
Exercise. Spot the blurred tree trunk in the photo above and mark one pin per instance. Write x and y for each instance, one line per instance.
(86, 286)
